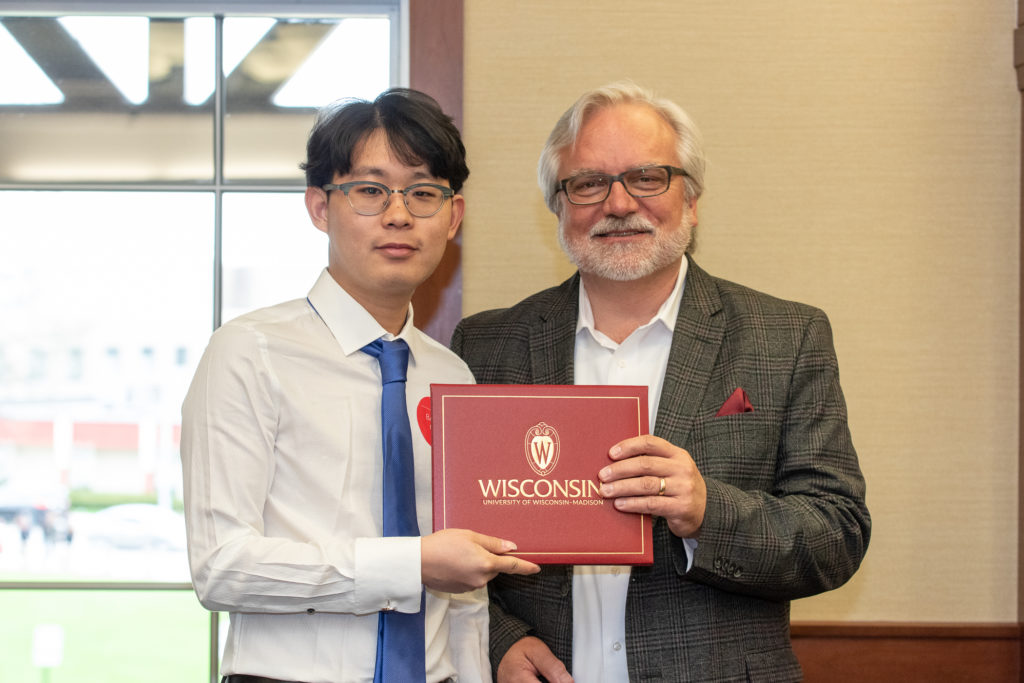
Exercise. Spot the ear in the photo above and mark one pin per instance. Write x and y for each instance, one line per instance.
(457, 212)
(316, 205)
(693, 213)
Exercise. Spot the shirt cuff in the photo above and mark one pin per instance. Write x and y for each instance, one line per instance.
(388, 574)
(690, 546)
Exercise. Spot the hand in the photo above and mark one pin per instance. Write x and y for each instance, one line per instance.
(528, 659)
(458, 560)
(634, 480)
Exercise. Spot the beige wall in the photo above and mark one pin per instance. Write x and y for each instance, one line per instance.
(863, 157)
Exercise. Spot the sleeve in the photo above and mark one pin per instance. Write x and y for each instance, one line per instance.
(229, 426)
(457, 336)
(505, 631)
(808, 533)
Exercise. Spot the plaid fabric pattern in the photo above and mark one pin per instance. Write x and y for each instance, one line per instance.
(785, 518)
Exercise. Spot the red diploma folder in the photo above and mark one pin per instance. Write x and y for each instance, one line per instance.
(520, 462)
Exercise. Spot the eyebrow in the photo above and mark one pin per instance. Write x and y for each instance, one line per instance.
(585, 171)
(594, 171)
(377, 172)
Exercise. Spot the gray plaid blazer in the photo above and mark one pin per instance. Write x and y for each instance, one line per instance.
(785, 515)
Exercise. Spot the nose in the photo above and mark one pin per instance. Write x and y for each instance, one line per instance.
(396, 213)
(619, 202)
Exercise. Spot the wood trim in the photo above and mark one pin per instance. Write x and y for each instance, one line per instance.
(435, 52)
(435, 67)
(838, 652)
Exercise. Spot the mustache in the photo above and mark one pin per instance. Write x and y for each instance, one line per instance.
(631, 223)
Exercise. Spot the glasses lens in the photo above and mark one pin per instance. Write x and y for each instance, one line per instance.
(588, 189)
(368, 199)
(646, 182)
(423, 200)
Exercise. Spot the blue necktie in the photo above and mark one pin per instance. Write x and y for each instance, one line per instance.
(400, 636)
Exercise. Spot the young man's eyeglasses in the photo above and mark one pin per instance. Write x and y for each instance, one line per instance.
(594, 188)
(368, 198)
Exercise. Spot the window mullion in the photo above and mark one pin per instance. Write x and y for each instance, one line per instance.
(218, 169)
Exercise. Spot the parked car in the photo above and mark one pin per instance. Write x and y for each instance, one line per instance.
(137, 526)
(31, 503)
(18, 496)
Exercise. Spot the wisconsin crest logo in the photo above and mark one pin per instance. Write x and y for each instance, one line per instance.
(542, 448)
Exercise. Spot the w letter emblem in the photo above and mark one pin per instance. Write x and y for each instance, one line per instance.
(542, 448)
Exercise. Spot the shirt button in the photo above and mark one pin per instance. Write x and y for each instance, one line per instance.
(616, 646)
(310, 611)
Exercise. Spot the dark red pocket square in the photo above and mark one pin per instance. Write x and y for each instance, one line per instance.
(739, 402)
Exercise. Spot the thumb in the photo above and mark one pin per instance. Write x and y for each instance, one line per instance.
(549, 666)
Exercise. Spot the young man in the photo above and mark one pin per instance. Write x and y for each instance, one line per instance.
(750, 473)
(282, 443)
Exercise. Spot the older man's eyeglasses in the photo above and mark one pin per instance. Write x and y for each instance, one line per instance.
(368, 198)
(594, 188)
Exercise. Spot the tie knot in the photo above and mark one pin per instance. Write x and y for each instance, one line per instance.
(393, 357)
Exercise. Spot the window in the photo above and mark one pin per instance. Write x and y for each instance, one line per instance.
(147, 194)
(149, 189)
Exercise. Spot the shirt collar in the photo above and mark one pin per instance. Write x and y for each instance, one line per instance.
(666, 315)
(352, 325)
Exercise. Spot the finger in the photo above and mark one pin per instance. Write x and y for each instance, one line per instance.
(636, 445)
(644, 505)
(516, 565)
(637, 466)
(493, 544)
(646, 485)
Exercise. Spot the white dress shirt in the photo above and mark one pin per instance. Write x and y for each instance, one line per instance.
(599, 591)
(281, 450)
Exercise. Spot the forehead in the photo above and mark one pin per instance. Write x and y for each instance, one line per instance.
(621, 136)
(373, 154)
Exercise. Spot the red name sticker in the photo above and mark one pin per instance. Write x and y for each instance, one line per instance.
(423, 417)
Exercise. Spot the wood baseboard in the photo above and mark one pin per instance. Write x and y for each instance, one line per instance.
(837, 652)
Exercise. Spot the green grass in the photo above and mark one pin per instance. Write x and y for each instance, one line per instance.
(86, 499)
(109, 636)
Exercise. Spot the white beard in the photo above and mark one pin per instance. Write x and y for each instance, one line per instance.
(622, 261)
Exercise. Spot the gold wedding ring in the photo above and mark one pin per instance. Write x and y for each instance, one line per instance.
(661, 491)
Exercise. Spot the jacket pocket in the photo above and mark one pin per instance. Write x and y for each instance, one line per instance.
(740, 449)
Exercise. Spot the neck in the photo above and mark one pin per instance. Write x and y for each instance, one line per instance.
(388, 308)
(620, 307)
(391, 319)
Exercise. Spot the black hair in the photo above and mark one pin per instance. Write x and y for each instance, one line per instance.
(417, 131)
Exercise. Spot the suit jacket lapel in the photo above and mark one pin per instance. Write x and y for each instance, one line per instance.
(696, 341)
(553, 338)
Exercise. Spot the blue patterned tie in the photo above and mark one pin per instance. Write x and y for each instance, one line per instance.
(400, 636)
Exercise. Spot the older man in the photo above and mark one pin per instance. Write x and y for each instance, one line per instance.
(750, 472)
